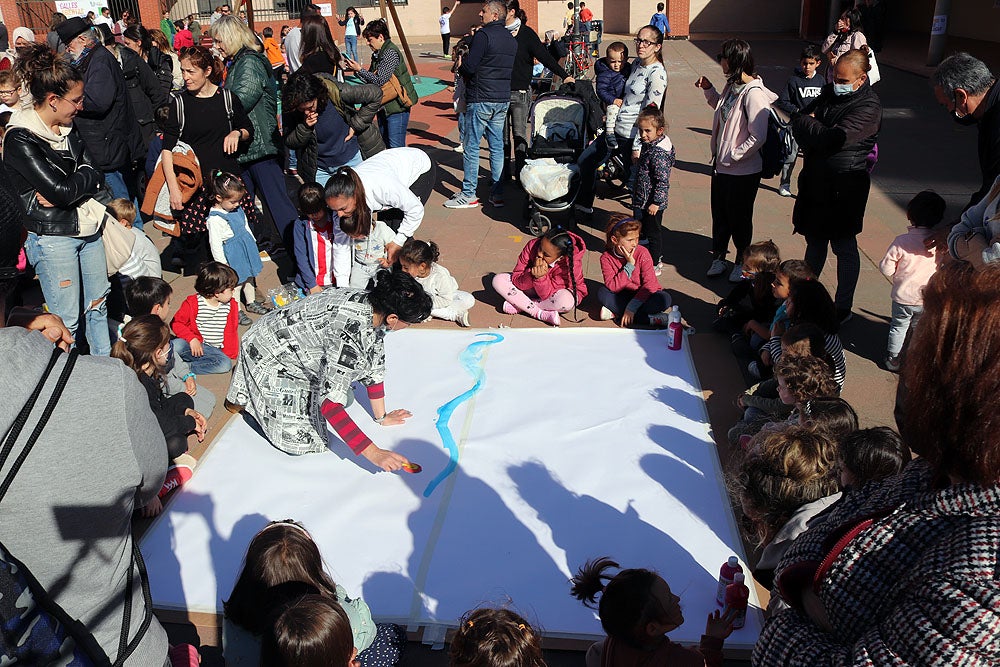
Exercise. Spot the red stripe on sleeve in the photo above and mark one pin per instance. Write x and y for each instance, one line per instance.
(376, 391)
(344, 426)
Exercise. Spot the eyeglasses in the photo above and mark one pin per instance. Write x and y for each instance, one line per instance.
(78, 104)
(643, 42)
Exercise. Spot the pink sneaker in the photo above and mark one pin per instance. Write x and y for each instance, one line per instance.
(177, 475)
(509, 308)
(548, 316)
(184, 655)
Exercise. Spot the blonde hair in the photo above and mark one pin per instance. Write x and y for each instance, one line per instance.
(122, 209)
(234, 35)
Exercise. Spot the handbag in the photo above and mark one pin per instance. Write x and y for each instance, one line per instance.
(393, 90)
(874, 76)
(118, 244)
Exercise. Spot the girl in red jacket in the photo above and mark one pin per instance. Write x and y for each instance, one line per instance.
(207, 323)
(548, 277)
(631, 289)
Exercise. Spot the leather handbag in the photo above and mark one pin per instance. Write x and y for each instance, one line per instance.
(393, 90)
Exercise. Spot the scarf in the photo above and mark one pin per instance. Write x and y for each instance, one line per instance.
(513, 27)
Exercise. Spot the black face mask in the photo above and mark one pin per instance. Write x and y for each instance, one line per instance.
(966, 120)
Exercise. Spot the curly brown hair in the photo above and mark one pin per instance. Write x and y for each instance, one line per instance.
(495, 638)
(807, 377)
(952, 375)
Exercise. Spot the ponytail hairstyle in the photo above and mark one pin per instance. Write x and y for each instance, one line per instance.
(619, 226)
(345, 182)
(43, 72)
(139, 341)
(520, 14)
(831, 415)
(397, 293)
(657, 38)
(138, 33)
(204, 60)
(797, 271)
(763, 258)
(563, 241)
(652, 112)
(627, 600)
(226, 186)
(495, 638)
(419, 252)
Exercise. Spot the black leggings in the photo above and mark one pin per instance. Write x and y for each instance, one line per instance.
(176, 445)
(445, 42)
(732, 212)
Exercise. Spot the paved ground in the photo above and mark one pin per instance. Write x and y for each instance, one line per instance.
(919, 148)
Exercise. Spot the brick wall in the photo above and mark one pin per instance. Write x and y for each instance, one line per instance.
(679, 15)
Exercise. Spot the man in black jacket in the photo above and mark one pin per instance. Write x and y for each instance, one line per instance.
(966, 87)
(837, 131)
(106, 122)
(487, 68)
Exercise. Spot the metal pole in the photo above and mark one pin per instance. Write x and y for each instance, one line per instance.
(939, 33)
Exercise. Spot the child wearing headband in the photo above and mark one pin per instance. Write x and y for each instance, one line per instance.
(637, 609)
(495, 638)
(631, 290)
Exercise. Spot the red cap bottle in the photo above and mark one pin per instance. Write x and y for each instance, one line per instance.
(729, 568)
(738, 598)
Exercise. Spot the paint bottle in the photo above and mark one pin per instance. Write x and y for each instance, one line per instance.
(726, 573)
(675, 330)
(738, 598)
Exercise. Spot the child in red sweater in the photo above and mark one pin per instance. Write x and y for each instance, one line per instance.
(548, 277)
(207, 323)
(631, 289)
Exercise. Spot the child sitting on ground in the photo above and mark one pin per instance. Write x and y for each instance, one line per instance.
(144, 347)
(419, 259)
(909, 263)
(547, 279)
(790, 272)
(802, 88)
(495, 638)
(151, 296)
(144, 260)
(630, 290)
(309, 631)
(322, 249)
(368, 240)
(231, 240)
(637, 609)
(283, 552)
(207, 322)
(869, 455)
(802, 378)
(652, 183)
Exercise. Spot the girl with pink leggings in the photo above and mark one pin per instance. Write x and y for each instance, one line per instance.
(548, 277)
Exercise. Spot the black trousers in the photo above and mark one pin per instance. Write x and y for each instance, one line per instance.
(732, 212)
(445, 42)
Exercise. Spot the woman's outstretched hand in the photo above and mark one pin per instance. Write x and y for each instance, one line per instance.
(396, 417)
(384, 459)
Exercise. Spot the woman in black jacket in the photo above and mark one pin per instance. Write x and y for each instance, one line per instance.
(145, 91)
(137, 38)
(837, 132)
(58, 184)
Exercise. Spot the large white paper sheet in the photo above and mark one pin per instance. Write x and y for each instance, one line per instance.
(581, 443)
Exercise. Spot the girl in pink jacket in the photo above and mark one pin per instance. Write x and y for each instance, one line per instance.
(548, 277)
(631, 289)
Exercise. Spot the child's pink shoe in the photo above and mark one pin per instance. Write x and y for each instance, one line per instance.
(184, 655)
(509, 308)
(548, 316)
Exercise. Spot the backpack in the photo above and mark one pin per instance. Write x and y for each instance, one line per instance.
(227, 98)
(778, 145)
(34, 629)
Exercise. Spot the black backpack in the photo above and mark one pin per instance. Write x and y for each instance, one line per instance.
(777, 147)
(34, 629)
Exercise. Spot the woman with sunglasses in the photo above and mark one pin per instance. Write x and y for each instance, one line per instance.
(646, 85)
(59, 186)
(739, 128)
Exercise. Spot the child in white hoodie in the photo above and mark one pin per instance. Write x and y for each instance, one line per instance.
(652, 183)
(419, 259)
(910, 265)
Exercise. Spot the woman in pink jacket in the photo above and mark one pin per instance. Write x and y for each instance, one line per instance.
(631, 290)
(739, 128)
(548, 277)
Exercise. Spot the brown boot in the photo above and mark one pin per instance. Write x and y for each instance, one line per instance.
(232, 407)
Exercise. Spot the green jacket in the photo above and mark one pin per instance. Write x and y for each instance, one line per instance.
(393, 107)
(249, 78)
(168, 28)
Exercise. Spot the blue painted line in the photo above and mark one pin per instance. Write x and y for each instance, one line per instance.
(471, 359)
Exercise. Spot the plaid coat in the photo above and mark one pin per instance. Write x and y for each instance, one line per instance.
(920, 586)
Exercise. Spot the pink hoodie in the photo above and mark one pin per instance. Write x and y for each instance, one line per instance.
(736, 145)
(558, 276)
(910, 264)
(643, 279)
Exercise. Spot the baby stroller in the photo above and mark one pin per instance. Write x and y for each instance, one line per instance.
(557, 125)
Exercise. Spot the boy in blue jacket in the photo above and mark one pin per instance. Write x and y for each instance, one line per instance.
(612, 72)
(802, 88)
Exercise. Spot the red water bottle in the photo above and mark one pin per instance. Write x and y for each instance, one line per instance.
(726, 574)
(675, 330)
(738, 598)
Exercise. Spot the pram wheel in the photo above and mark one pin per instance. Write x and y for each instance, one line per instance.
(539, 224)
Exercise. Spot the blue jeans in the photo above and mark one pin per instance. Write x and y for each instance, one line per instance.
(393, 128)
(352, 46)
(73, 274)
(123, 185)
(213, 360)
(322, 175)
(903, 319)
(483, 118)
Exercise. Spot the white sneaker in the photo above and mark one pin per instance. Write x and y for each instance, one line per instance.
(463, 319)
(459, 200)
(658, 269)
(717, 269)
(606, 314)
(736, 275)
(784, 191)
(459, 148)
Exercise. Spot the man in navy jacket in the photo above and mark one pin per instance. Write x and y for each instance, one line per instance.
(486, 70)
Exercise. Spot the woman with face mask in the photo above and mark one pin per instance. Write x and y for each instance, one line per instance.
(837, 131)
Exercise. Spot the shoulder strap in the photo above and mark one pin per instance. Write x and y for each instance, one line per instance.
(178, 98)
(227, 98)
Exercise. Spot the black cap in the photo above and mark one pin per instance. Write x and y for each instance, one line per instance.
(70, 28)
